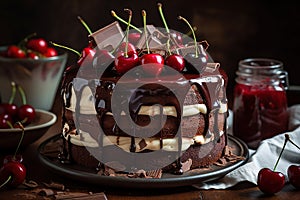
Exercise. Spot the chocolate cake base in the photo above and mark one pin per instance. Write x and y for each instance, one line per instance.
(199, 155)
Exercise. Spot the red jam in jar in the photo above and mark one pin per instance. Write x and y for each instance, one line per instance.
(260, 103)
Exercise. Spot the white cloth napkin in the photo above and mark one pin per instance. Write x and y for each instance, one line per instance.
(266, 155)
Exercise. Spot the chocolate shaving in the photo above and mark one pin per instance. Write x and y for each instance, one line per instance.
(228, 157)
(30, 184)
(221, 161)
(46, 192)
(154, 173)
(186, 166)
(138, 174)
(212, 67)
(53, 185)
(227, 151)
(109, 171)
(146, 174)
(142, 144)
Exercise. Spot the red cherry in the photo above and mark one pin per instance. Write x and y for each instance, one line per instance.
(26, 114)
(102, 58)
(294, 175)
(175, 61)
(15, 170)
(37, 44)
(5, 121)
(152, 63)
(12, 109)
(50, 52)
(124, 64)
(177, 37)
(270, 182)
(87, 56)
(14, 51)
(9, 108)
(130, 48)
(134, 37)
(32, 55)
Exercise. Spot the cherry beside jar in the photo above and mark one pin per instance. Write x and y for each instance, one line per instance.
(260, 102)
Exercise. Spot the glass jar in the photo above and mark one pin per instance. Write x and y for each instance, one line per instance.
(260, 103)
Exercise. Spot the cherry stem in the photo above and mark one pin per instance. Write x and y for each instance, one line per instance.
(113, 13)
(9, 124)
(285, 141)
(85, 25)
(127, 30)
(23, 95)
(13, 92)
(7, 180)
(145, 29)
(20, 125)
(192, 30)
(162, 17)
(165, 24)
(113, 51)
(65, 47)
(22, 42)
(289, 139)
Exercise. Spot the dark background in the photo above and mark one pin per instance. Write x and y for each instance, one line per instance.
(234, 29)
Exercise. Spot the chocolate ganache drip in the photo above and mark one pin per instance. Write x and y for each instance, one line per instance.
(66, 95)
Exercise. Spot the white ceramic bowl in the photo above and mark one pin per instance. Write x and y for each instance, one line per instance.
(39, 78)
(9, 138)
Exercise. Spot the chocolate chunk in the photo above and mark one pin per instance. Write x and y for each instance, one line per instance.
(142, 144)
(108, 37)
(212, 67)
(153, 36)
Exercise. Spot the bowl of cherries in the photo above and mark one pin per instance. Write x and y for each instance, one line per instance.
(34, 64)
(23, 122)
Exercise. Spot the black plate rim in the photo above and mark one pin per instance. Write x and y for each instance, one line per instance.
(165, 182)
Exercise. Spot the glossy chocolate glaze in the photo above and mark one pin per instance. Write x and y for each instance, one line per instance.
(211, 92)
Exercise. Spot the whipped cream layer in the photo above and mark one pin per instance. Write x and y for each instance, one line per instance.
(87, 106)
(168, 144)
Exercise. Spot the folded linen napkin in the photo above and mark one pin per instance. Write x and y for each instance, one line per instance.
(266, 155)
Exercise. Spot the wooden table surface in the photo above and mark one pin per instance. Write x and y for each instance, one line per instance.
(38, 173)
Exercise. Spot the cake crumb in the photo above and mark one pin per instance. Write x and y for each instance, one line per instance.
(228, 157)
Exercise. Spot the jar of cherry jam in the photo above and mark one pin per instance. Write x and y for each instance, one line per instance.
(260, 102)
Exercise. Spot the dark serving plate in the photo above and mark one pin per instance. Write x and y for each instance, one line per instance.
(75, 172)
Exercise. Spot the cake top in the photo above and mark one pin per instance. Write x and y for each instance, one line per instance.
(147, 52)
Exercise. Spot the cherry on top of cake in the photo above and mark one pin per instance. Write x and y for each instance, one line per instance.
(151, 46)
(150, 52)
